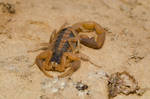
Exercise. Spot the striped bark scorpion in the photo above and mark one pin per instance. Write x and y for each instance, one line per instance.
(62, 51)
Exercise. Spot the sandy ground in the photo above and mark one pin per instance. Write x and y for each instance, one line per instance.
(126, 47)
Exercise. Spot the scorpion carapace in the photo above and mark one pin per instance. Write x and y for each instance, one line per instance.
(61, 47)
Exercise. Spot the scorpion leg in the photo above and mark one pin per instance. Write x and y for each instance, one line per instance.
(47, 45)
(42, 61)
(75, 48)
(74, 65)
(35, 50)
(63, 26)
(53, 35)
(90, 26)
(86, 58)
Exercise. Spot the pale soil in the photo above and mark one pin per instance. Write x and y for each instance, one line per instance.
(127, 47)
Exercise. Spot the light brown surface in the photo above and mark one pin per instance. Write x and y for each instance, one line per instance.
(127, 47)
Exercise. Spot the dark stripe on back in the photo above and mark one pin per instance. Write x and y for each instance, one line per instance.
(57, 54)
(60, 36)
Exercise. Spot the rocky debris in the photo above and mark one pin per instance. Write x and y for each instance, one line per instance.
(44, 97)
(7, 7)
(80, 86)
(54, 85)
(123, 83)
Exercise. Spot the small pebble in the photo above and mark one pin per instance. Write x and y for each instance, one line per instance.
(55, 90)
(81, 87)
(63, 85)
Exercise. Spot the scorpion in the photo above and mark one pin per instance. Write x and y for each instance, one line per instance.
(61, 53)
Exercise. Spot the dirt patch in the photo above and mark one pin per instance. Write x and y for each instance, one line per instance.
(123, 83)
